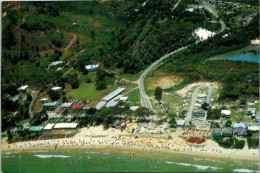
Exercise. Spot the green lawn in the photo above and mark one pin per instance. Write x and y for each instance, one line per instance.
(134, 97)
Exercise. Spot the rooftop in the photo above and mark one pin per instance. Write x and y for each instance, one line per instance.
(77, 106)
(100, 105)
(50, 104)
(113, 94)
(67, 104)
(23, 87)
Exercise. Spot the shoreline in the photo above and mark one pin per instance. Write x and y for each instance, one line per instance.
(211, 155)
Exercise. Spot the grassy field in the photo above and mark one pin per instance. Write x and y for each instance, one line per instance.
(87, 91)
(134, 97)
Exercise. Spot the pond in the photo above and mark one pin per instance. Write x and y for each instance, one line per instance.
(249, 54)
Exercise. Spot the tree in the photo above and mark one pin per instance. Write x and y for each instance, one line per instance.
(243, 101)
(228, 123)
(38, 118)
(172, 122)
(88, 80)
(29, 97)
(142, 112)
(74, 83)
(100, 85)
(158, 93)
(54, 95)
(205, 106)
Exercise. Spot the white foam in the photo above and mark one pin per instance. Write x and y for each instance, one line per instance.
(7, 156)
(199, 167)
(7, 153)
(50, 156)
(92, 152)
(243, 170)
(88, 157)
(106, 153)
(39, 151)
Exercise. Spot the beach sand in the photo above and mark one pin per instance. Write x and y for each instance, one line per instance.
(97, 138)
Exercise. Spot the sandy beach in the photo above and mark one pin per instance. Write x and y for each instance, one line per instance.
(97, 138)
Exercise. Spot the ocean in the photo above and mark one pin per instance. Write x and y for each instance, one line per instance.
(100, 160)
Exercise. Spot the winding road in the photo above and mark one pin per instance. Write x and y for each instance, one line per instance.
(143, 96)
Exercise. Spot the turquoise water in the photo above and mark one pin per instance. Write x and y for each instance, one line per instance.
(86, 160)
(241, 57)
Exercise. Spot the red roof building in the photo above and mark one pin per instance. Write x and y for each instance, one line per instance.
(87, 108)
(77, 107)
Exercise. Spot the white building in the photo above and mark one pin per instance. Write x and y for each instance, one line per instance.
(57, 63)
(57, 89)
(180, 122)
(23, 88)
(202, 95)
(253, 128)
(66, 105)
(123, 99)
(134, 108)
(92, 67)
(44, 100)
(65, 125)
(48, 127)
(225, 113)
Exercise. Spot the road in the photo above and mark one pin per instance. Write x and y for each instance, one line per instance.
(32, 102)
(143, 96)
(211, 8)
(195, 95)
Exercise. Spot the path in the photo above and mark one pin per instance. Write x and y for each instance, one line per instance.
(32, 102)
(195, 95)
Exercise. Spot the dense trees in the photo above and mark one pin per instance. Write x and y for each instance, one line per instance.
(38, 118)
(158, 93)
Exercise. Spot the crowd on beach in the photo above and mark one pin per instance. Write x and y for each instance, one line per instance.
(96, 137)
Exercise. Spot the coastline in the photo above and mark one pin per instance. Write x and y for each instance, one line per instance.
(208, 155)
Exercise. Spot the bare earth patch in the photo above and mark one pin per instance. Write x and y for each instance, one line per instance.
(184, 91)
(163, 82)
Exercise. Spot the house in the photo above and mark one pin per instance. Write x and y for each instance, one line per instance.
(199, 113)
(66, 105)
(44, 100)
(23, 88)
(35, 129)
(57, 64)
(66, 126)
(100, 105)
(240, 131)
(239, 125)
(48, 127)
(113, 94)
(86, 108)
(251, 111)
(50, 106)
(227, 132)
(241, 106)
(134, 108)
(77, 107)
(225, 113)
(253, 128)
(202, 95)
(216, 132)
(111, 103)
(180, 122)
(15, 99)
(120, 125)
(189, 96)
(123, 99)
(57, 89)
(257, 118)
(92, 67)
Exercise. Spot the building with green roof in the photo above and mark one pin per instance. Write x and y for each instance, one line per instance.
(36, 129)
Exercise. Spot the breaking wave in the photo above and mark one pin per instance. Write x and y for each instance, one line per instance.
(50, 156)
(243, 170)
(198, 167)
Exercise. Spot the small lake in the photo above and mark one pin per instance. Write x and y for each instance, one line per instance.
(239, 55)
